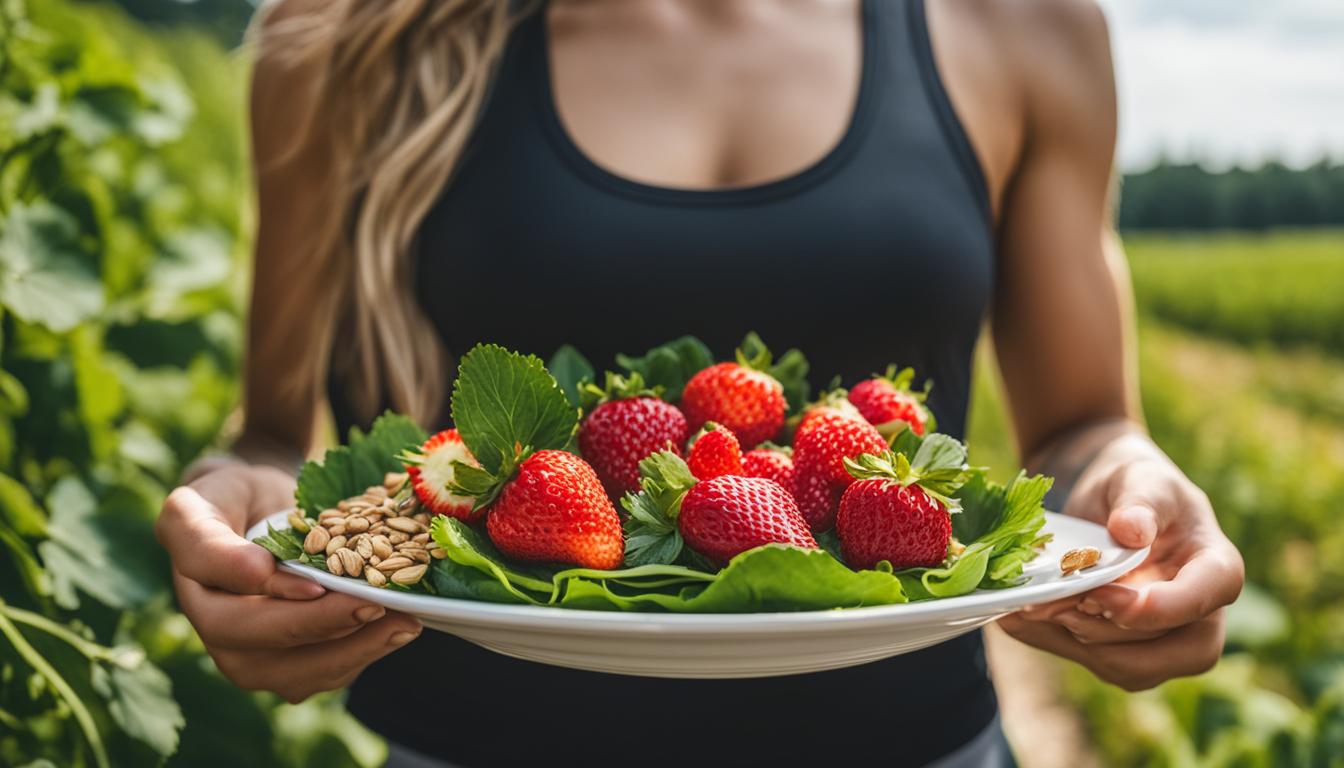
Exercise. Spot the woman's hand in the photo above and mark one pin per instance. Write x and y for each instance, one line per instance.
(265, 629)
(1164, 619)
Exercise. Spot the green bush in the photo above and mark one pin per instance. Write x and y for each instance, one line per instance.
(122, 200)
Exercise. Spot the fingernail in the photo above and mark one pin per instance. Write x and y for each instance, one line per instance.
(1091, 607)
(369, 613)
(399, 639)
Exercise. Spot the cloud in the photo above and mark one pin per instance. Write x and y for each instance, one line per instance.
(1229, 82)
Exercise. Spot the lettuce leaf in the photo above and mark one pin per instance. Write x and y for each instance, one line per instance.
(363, 461)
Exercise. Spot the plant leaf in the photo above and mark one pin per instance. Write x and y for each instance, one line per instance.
(46, 276)
(503, 401)
(670, 365)
(570, 369)
(347, 470)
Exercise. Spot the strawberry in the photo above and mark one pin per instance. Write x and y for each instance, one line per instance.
(714, 452)
(725, 516)
(835, 401)
(897, 509)
(888, 403)
(747, 401)
(625, 423)
(430, 470)
(770, 461)
(819, 452)
(555, 510)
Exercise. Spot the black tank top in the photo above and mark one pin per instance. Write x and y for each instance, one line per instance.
(880, 252)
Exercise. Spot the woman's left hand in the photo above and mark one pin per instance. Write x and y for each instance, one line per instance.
(1164, 619)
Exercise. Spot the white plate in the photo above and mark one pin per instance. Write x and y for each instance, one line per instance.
(741, 644)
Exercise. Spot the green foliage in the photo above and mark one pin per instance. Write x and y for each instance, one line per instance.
(121, 230)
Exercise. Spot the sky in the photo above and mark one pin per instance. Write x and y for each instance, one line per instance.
(1229, 81)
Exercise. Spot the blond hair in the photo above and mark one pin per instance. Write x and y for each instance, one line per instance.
(401, 83)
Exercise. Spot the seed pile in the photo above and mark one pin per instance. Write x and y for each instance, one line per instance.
(381, 535)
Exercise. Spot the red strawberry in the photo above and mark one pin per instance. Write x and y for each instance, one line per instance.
(714, 452)
(431, 472)
(747, 401)
(888, 403)
(880, 519)
(835, 402)
(626, 424)
(771, 462)
(554, 510)
(897, 508)
(728, 515)
(819, 452)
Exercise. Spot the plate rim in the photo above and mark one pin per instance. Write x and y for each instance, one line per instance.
(980, 603)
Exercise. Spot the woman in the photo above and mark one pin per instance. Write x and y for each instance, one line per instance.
(864, 179)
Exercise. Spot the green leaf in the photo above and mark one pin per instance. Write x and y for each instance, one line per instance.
(283, 543)
(962, 576)
(939, 452)
(18, 509)
(87, 551)
(1008, 519)
(349, 469)
(670, 365)
(45, 274)
(652, 535)
(570, 369)
(503, 401)
(790, 370)
(141, 701)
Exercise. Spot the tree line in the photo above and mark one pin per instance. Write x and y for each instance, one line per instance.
(1189, 196)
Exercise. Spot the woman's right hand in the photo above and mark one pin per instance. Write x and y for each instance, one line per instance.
(265, 629)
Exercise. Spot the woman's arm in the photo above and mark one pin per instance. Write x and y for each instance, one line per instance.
(1061, 325)
(267, 629)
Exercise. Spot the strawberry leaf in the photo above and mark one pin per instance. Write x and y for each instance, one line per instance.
(571, 371)
(652, 536)
(1007, 519)
(503, 401)
(790, 370)
(347, 470)
(670, 365)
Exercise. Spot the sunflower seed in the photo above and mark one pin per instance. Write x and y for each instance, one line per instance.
(335, 566)
(381, 546)
(316, 540)
(328, 514)
(344, 505)
(438, 553)
(397, 537)
(331, 520)
(394, 480)
(393, 564)
(357, 524)
(336, 530)
(335, 544)
(407, 504)
(351, 562)
(375, 560)
(1078, 559)
(375, 577)
(418, 555)
(422, 518)
(364, 548)
(405, 525)
(422, 538)
(408, 576)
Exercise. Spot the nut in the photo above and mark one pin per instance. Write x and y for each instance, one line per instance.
(375, 560)
(408, 576)
(404, 525)
(394, 480)
(1078, 559)
(397, 537)
(393, 564)
(344, 506)
(408, 504)
(351, 562)
(438, 553)
(328, 514)
(364, 548)
(334, 565)
(316, 540)
(357, 524)
(375, 577)
(298, 522)
(421, 518)
(336, 530)
(381, 546)
(335, 544)
(422, 538)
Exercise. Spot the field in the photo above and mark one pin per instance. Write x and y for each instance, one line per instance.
(1243, 384)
